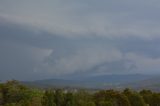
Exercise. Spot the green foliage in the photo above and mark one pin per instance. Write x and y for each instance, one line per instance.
(59, 97)
(111, 98)
(69, 99)
(105, 103)
(12, 93)
(48, 98)
(152, 99)
(83, 98)
(135, 98)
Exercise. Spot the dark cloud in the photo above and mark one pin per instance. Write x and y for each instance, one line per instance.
(20, 52)
(59, 38)
(141, 46)
(26, 54)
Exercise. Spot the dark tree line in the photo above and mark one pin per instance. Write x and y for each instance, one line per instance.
(12, 93)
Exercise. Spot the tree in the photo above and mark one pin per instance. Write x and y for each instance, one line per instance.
(105, 103)
(135, 98)
(155, 100)
(59, 97)
(69, 99)
(14, 92)
(48, 98)
(83, 98)
(111, 98)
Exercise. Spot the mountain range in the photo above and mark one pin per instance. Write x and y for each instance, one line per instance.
(134, 81)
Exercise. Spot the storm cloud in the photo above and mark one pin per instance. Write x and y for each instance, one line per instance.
(44, 39)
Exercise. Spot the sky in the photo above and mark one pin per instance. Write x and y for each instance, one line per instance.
(42, 39)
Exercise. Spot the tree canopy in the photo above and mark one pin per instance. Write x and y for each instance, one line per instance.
(13, 93)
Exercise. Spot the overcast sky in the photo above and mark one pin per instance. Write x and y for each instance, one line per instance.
(56, 38)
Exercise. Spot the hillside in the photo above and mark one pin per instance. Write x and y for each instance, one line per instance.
(98, 82)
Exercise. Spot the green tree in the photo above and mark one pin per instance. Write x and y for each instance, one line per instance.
(91, 103)
(59, 97)
(83, 98)
(69, 99)
(147, 96)
(14, 92)
(135, 98)
(111, 98)
(48, 98)
(105, 103)
(155, 101)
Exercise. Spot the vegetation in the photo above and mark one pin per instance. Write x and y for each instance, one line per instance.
(12, 93)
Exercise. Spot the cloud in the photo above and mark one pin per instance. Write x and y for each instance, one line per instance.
(37, 55)
(81, 60)
(58, 38)
(86, 18)
(18, 61)
(144, 64)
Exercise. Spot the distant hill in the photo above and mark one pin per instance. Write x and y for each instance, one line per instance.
(151, 83)
(135, 81)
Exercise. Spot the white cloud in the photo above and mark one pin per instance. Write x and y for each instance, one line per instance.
(82, 60)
